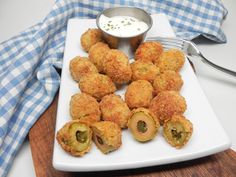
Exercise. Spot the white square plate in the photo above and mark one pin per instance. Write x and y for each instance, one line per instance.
(208, 135)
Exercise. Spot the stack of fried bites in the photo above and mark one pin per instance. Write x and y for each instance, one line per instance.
(151, 100)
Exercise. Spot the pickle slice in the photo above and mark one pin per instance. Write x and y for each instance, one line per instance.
(81, 136)
(75, 137)
(143, 125)
(177, 131)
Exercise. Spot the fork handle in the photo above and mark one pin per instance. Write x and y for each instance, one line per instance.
(230, 72)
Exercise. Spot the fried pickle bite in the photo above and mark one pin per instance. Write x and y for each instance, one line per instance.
(144, 71)
(80, 66)
(166, 104)
(148, 51)
(116, 66)
(139, 94)
(114, 109)
(75, 137)
(90, 37)
(177, 131)
(106, 136)
(143, 124)
(97, 85)
(97, 53)
(85, 108)
(168, 80)
(172, 59)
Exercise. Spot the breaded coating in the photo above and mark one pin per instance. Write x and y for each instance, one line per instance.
(97, 85)
(116, 66)
(168, 80)
(114, 109)
(75, 137)
(85, 108)
(106, 136)
(80, 66)
(139, 94)
(172, 59)
(144, 71)
(97, 53)
(177, 131)
(166, 104)
(148, 51)
(90, 37)
(143, 124)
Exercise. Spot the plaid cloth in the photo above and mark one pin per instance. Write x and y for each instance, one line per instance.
(29, 80)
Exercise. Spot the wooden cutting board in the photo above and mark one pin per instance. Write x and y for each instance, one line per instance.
(41, 138)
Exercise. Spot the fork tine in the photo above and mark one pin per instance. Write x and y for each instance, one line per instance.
(168, 42)
(168, 45)
(165, 38)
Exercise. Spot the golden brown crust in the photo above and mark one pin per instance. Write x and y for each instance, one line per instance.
(166, 104)
(116, 66)
(171, 59)
(114, 109)
(149, 51)
(67, 138)
(97, 53)
(139, 94)
(90, 37)
(168, 80)
(109, 134)
(144, 71)
(148, 128)
(97, 85)
(85, 108)
(80, 66)
(177, 131)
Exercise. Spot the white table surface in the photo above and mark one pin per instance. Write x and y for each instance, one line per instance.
(220, 89)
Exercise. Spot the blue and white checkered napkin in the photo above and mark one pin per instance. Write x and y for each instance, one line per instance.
(29, 80)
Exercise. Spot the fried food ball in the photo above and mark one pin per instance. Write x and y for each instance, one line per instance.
(177, 131)
(114, 109)
(168, 80)
(97, 85)
(139, 94)
(143, 124)
(97, 53)
(90, 37)
(116, 66)
(144, 71)
(166, 104)
(106, 136)
(80, 66)
(148, 51)
(85, 108)
(172, 59)
(75, 137)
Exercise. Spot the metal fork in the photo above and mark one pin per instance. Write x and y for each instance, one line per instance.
(189, 48)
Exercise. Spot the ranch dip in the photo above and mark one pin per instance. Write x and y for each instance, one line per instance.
(122, 26)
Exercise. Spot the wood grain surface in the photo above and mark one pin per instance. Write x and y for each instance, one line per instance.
(41, 138)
